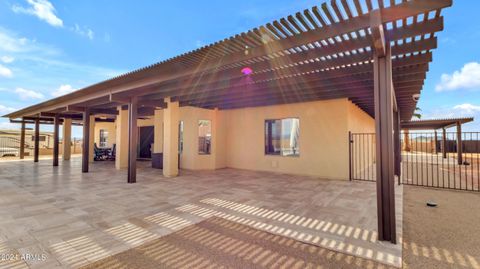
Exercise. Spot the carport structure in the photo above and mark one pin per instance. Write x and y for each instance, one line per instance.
(437, 124)
(375, 53)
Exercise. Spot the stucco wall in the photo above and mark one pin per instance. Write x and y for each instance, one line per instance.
(359, 121)
(190, 158)
(238, 137)
(323, 139)
(110, 127)
(363, 148)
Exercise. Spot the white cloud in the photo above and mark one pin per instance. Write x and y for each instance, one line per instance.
(467, 109)
(62, 90)
(8, 126)
(14, 44)
(5, 109)
(28, 94)
(42, 9)
(11, 43)
(466, 78)
(7, 59)
(83, 31)
(456, 111)
(5, 72)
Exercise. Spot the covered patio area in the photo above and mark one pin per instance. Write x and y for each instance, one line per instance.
(76, 218)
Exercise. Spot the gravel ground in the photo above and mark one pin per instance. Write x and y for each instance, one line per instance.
(447, 236)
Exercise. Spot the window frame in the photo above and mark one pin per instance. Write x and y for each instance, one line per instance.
(198, 137)
(280, 154)
(100, 134)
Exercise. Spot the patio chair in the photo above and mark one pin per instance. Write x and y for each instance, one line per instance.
(111, 153)
(99, 154)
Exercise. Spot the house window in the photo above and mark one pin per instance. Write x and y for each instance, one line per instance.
(204, 136)
(41, 138)
(281, 137)
(103, 138)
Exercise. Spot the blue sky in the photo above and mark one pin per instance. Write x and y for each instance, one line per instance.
(49, 48)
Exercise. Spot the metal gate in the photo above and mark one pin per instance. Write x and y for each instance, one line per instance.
(427, 159)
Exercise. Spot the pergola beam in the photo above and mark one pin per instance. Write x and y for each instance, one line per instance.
(22, 140)
(86, 140)
(56, 139)
(36, 147)
(384, 128)
(193, 64)
(459, 144)
(132, 140)
(298, 62)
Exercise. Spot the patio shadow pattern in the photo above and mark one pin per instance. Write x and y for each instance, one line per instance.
(76, 219)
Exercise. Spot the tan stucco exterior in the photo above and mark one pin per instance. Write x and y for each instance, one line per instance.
(110, 128)
(238, 138)
(323, 141)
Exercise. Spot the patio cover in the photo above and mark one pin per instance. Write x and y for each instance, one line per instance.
(320, 53)
(375, 53)
(433, 124)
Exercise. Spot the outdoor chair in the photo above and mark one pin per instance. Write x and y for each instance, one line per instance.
(99, 154)
(111, 153)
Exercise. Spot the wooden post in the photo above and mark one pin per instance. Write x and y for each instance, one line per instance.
(36, 149)
(86, 140)
(459, 144)
(132, 140)
(444, 143)
(383, 93)
(435, 142)
(56, 126)
(22, 140)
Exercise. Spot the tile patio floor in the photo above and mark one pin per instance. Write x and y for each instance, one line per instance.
(74, 219)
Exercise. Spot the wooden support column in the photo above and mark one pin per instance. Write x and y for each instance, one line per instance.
(397, 144)
(444, 143)
(86, 140)
(132, 140)
(459, 144)
(22, 140)
(36, 149)
(91, 135)
(383, 92)
(435, 141)
(67, 138)
(56, 139)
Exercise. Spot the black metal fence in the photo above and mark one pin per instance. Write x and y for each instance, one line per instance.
(362, 156)
(428, 159)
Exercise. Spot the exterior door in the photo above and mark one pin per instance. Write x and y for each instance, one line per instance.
(145, 142)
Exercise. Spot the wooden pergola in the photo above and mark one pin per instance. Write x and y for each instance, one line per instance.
(376, 54)
(436, 124)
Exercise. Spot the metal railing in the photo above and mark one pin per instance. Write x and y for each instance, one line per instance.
(362, 156)
(427, 159)
(431, 161)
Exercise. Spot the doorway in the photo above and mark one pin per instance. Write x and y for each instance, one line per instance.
(145, 142)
